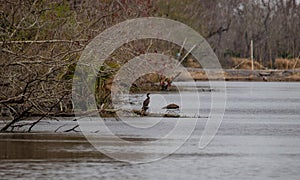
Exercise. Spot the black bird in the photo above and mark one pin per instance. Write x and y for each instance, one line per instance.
(146, 103)
(171, 106)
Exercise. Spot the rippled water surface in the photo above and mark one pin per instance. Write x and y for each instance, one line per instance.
(259, 138)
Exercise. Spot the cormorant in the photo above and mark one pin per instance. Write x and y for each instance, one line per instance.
(146, 103)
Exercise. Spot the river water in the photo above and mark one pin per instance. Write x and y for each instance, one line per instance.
(259, 138)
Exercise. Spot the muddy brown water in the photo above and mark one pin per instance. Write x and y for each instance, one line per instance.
(18, 146)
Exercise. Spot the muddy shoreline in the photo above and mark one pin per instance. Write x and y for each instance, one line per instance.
(246, 75)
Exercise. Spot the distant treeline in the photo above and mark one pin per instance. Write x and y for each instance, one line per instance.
(230, 25)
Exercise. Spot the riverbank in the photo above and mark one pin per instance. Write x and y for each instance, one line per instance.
(245, 75)
(199, 74)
